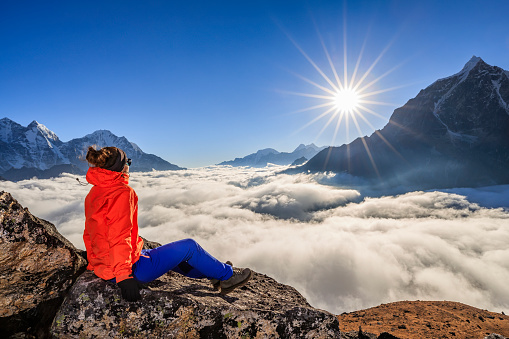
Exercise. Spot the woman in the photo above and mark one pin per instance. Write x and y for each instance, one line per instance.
(114, 248)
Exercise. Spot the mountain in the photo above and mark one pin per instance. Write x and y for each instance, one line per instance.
(142, 162)
(453, 133)
(299, 161)
(33, 146)
(34, 150)
(269, 155)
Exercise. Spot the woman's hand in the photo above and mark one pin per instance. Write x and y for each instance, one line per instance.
(130, 289)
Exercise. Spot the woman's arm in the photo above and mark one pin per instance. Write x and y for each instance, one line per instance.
(120, 225)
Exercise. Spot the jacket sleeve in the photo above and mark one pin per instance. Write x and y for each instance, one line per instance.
(120, 223)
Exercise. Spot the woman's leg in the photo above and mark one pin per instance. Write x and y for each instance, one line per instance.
(156, 262)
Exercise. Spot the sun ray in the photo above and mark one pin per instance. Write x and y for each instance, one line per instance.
(315, 119)
(352, 81)
(340, 85)
(329, 122)
(365, 144)
(325, 89)
(390, 146)
(377, 132)
(312, 63)
(371, 111)
(347, 125)
(313, 107)
(345, 64)
(379, 78)
(309, 95)
(372, 66)
(379, 103)
(338, 124)
(384, 90)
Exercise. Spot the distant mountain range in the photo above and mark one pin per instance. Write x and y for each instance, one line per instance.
(453, 133)
(34, 150)
(270, 156)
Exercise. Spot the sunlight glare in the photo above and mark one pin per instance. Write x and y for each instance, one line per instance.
(346, 100)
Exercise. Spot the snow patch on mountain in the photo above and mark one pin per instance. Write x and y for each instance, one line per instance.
(458, 78)
(496, 84)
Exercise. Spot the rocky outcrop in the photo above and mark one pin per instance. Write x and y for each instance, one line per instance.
(176, 306)
(37, 267)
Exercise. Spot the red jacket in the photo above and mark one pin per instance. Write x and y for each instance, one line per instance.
(111, 225)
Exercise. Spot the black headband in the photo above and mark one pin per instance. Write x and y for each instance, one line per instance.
(120, 162)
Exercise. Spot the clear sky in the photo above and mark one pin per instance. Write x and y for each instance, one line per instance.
(200, 82)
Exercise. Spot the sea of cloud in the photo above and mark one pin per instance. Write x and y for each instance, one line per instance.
(342, 249)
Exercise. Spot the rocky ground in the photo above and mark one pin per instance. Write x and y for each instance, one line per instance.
(427, 319)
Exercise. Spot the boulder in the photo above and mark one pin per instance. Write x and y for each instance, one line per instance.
(175, 306)
(37, 267)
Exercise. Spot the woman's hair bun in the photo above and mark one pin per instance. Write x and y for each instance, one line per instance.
(99, 158)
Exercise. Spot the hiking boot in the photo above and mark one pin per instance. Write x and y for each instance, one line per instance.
(239, 278)
(217, 283)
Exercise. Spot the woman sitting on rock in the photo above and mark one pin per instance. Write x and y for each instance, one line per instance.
(114, 248)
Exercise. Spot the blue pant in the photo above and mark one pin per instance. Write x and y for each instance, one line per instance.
(186, 257)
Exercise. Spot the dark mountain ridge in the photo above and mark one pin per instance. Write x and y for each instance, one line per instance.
(453, 133)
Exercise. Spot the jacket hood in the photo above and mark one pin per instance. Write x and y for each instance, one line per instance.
(103, 177)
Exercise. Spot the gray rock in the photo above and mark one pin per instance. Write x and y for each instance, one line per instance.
(495, 336)
(37, 267)
(175, 306)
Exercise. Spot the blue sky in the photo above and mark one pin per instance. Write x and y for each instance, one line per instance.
(200, 82)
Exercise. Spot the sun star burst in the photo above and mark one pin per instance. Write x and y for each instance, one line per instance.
(346, 100)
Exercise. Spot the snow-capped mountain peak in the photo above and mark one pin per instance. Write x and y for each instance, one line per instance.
(46, 132)
(8, 128)
(470, 64)
(103, 138)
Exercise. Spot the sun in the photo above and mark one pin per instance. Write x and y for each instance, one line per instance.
(346, 100)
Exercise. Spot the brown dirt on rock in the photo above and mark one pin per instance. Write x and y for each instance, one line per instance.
(426, 319)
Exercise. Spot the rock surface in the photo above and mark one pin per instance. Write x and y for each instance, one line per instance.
(37, 267)
(176, 306)
(428, 319)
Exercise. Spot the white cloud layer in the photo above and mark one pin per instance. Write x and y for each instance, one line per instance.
(341, 250)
